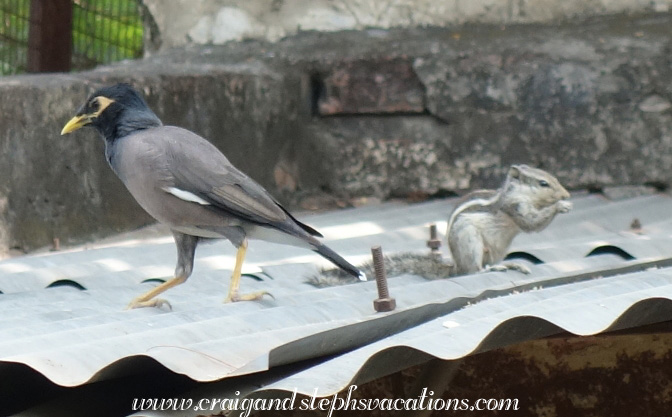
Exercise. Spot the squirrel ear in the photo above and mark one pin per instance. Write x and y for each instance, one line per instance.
(514, 171)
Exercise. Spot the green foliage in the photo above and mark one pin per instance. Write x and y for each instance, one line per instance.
(103, 31)
(13, 35)
(106, 30)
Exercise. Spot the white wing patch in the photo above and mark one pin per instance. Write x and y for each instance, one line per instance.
(185, 195)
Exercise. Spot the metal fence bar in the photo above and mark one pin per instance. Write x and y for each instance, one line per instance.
(50, 36)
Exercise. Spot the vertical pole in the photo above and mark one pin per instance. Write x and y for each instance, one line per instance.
(50, 36)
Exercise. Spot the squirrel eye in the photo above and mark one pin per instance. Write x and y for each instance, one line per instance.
(543, 183)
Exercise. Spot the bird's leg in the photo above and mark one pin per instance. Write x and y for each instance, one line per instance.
(235, 279)
(186, 249)
(147, 299)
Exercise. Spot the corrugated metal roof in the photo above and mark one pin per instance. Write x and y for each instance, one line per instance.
(583, 308)
(75, 337)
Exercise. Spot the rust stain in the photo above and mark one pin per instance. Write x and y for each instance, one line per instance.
(596, 376)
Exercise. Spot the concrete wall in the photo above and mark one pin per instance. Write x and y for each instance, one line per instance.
(358, 114)
(218, 21)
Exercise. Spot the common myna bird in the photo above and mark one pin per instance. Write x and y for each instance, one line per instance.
(186, 183)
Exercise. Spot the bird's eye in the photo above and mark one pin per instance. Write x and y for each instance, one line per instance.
(543, 183)
(94, 105)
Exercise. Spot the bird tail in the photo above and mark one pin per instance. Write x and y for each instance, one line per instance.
(337, 260)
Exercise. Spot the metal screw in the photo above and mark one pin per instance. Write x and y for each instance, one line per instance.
(433, 243)
(384, 302)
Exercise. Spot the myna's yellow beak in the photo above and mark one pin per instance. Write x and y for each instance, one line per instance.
(75, 123)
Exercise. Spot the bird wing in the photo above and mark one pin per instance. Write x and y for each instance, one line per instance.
(199, 168)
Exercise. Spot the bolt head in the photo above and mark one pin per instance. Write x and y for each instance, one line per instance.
(384, 304)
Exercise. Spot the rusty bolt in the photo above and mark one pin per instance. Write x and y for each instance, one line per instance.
(384, 302)
(433, 243)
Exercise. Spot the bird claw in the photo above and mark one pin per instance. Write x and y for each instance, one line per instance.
(235, 297)
(154, 302)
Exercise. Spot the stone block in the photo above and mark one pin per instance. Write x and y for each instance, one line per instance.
(370, 86)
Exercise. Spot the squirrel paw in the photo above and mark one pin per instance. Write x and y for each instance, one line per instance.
(506, 266)
(564, 206)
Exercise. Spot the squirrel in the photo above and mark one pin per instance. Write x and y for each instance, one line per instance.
(482, 226)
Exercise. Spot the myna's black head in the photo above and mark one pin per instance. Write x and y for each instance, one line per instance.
(114, 111)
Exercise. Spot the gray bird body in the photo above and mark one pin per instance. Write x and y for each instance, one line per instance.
(205, 195)
(186, 183)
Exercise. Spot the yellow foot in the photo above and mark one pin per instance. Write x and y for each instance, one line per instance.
(154, 302)
(232, 298)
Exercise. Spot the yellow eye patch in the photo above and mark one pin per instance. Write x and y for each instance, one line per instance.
(103, 102)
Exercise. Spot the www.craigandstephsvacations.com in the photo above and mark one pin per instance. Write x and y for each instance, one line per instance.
(343, 402)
